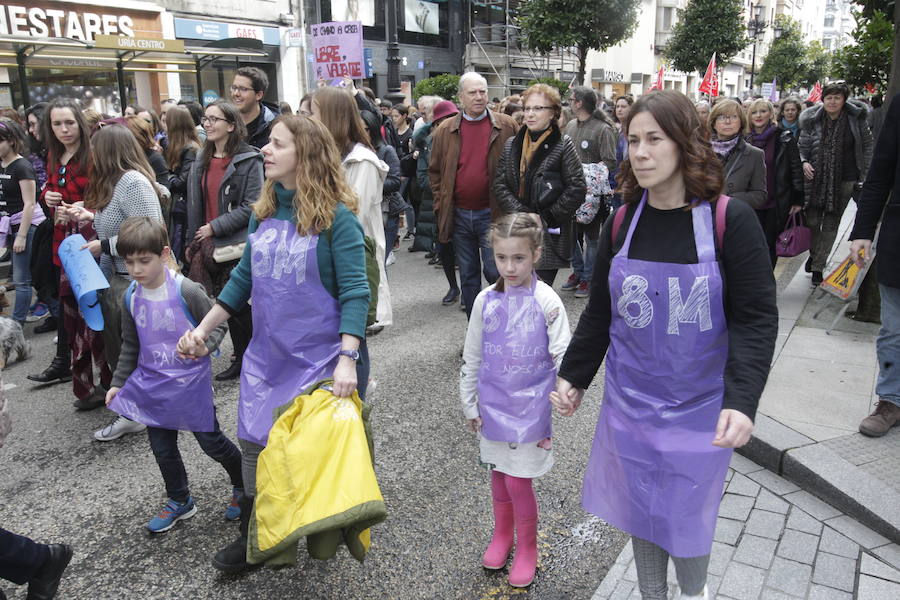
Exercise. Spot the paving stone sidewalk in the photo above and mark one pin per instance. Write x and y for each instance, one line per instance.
(775, 541)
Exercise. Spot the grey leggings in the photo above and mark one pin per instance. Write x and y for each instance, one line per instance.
(249, 458)
(652, 562)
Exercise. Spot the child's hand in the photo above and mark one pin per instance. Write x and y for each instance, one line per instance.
(111, 394)
(474, 424)
(567, 398)
(192, 345)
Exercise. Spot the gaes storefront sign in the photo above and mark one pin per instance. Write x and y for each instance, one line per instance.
(50, 22)
(117, 42)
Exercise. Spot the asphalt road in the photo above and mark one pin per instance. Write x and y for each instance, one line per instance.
(58, 484)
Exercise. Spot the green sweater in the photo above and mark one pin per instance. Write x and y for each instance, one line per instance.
(342, 266)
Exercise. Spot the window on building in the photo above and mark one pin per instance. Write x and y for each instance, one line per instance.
(668, 15)
(829, 20)
(826, 43)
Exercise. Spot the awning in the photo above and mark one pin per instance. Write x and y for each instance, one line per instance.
(147, 55)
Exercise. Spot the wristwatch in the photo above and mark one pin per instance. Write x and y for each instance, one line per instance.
(351, 354)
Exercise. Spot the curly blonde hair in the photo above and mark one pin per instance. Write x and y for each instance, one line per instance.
(320, 184)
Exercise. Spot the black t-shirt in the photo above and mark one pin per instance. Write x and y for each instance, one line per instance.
(10, 193)
(667, 236)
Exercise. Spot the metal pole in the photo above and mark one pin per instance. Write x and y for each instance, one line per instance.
(753, 66)
(23, 78)
(120, 79)
(394, 95)
(199, 79)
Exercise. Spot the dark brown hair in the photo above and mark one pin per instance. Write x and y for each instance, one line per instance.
(182, 134)
(55, 148)
(339, 114)
(231, 114)
(141, 234)
(12, 132)
(700, 167)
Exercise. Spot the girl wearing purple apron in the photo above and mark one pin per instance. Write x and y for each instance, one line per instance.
(510, 359)
(153, 386)
(304, 269)
(684, 301)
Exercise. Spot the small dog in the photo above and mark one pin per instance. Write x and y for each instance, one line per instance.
(12, 342)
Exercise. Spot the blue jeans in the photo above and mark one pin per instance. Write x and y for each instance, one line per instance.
(391, 227)
(583, 263)
(21, 264)
(470, 240)
(888, 346)
(411, 218)
(164, 443)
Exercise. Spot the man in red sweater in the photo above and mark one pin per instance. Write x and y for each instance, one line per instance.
(464, 155)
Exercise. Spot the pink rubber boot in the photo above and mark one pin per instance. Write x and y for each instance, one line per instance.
(502, 541)
(524, 564)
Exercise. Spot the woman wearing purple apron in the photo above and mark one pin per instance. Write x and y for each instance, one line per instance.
(684, 301)
(304, 270)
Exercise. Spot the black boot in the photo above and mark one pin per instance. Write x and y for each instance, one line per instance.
(233, 557)
(47, 326)
(232, 372)
(58, 371)
(46, 582)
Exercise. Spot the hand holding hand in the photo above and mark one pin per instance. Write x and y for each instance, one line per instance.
(733, 429)
(474, 424)
(567, 398)
(344, 377)
(192, 344)
(111, 394)
(77, 212)
(861, 252)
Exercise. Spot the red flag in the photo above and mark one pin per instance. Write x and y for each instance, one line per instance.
(658, 84)
(816, 94)
(710, 83)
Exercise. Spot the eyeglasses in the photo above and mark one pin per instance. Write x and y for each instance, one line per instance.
(211, 120)
(535, 109)
(241, 89)
(727, 118)
(62, 176)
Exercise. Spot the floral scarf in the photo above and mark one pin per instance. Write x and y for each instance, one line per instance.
(827, 182)
(724, 148)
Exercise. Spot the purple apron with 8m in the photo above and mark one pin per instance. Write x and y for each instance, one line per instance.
(517, 372)
(295, 326)
(653, 471)
(166, 391)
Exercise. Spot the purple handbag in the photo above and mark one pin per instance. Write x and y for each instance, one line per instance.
(795, 239)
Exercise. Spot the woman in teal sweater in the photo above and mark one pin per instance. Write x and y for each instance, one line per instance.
(304, 269)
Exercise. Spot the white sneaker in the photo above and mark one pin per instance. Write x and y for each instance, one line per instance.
(704, 595)
(391, 259)
(117, 429)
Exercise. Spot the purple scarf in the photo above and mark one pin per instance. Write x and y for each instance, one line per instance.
(765, 141)
(724, 148)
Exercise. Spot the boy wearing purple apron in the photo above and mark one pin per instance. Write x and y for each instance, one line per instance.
(683, 298)
(152, 385)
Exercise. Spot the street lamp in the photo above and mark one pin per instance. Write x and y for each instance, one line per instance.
(394, 95)
(756, 26)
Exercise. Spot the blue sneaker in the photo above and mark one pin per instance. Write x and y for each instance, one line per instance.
(233, 510)
(171, 513)
(571, 283)
(38, 312)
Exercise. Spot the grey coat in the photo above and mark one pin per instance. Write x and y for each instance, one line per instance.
(240, 188)
(745, 175)
(555, 160)
(811, 121)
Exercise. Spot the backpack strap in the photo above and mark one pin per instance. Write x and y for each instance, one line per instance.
(618, 219)
(721, 209)
(129, 292)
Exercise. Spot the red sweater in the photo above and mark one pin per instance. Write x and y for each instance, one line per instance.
(473, 181)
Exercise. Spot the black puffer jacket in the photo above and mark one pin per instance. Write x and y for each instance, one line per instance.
(788, 175)
(555, 162)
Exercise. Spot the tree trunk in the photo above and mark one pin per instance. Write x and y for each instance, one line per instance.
(582, 64)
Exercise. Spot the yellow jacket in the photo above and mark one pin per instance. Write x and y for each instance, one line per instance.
(315, 478)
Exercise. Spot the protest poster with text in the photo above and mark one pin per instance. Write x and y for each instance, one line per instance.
(338, 49)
